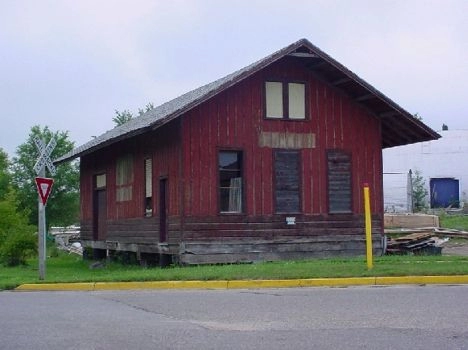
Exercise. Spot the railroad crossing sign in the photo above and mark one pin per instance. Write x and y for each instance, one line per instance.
(44, 186)
(44, 156)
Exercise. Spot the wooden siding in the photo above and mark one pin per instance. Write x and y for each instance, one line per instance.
(235, 239)
(186, 150)
(235, 119)
(126, 220)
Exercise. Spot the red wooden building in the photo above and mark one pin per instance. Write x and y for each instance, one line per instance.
(266, 163)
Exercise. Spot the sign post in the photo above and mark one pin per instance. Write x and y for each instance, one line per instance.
(368, 224)
(44, 187)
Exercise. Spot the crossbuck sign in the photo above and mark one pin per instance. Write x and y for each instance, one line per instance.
(44, 156)
(43, 186)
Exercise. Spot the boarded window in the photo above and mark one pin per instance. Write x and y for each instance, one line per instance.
(124, 178)
(285, 100)
(339, 181)
(287, 181)
(148, 187)
(230, 181)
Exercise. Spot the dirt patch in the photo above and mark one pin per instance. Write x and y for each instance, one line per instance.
(456, 247)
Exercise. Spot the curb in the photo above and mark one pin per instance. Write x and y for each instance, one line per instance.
(247, 284)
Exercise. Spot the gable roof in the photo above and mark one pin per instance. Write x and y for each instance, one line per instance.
(398, 126)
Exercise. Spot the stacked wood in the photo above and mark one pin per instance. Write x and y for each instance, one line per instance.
(416, 243)
(435, 231)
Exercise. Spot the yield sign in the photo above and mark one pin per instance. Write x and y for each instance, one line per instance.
(44, 186)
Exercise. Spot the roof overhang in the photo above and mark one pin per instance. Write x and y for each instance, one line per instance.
(398, 126)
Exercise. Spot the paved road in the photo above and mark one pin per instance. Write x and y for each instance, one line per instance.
(408, 317)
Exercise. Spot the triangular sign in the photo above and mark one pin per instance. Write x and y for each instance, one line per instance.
(44, 186)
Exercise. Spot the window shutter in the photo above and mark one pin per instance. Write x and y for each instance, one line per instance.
(339, 182)
(287, 182)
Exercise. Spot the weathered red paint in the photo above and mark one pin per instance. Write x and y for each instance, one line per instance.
(185, 152)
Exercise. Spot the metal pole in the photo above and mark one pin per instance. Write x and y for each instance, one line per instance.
(367, 212)
(41, 234)
(409, 192)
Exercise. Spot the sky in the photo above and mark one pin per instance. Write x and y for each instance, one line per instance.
(69, 65)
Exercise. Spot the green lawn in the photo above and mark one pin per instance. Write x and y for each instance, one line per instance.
(458, 222)
(71, 268)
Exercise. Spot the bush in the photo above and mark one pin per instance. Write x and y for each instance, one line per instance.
(17, 241)
(17, 247)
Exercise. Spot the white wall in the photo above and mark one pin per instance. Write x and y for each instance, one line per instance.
(445, 157)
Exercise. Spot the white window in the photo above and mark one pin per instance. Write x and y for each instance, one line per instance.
(296, 93)
(101, 181)
(274, 99)
(124, 178)
(148, 187)
(285, 100)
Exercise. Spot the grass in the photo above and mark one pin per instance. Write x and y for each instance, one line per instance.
(71, 268)
(458, 222)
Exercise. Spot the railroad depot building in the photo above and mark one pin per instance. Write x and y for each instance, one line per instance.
(266, 163)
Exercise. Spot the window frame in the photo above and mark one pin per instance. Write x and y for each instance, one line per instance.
(218, 184)
(285, 99)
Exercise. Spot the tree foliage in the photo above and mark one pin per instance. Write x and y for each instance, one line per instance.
(17, 239)
(124, 116)
(63, 203)
(419, 191)
(5, 177)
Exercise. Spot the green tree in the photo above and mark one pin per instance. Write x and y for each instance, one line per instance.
(63, 203)
(149, 106)
(124, 116)
(419, 191)
(5, 177)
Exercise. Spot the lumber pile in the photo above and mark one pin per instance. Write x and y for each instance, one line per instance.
(415, 243)
(425, 240)
(435, 231)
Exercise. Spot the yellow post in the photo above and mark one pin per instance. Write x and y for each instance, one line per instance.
(367, 213)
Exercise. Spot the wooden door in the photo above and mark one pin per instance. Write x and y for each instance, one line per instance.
(100, 215)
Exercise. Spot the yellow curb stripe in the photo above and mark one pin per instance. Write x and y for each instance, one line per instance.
(338, 282)
(57, 287)
(245, 284)
(462, 279)
(161, 285)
